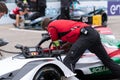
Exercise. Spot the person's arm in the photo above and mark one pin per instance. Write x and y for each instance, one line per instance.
(54, 36)
(21, 12)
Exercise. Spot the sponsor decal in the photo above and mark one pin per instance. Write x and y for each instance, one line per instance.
(113, 7)
(85, 19)
(102, 69)
(99, 70)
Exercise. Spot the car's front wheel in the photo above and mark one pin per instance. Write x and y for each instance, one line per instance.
(48, 73)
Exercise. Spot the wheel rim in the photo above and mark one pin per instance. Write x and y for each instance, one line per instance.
(48, 74)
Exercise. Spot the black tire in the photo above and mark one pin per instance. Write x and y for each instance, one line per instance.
(48, 73)
(104, 20)
(34, 16)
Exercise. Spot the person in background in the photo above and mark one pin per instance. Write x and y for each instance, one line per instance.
(38, 8)
(23, 1)
(83, 37)
(41, 7)
(18, 13)
(38, 5)
(3, 9)
(65, 4)
(32, 5)
(74, 5)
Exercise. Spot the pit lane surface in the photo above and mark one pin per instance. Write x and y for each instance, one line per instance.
(31, 37)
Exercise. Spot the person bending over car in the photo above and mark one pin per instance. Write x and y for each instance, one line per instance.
(83, 37)
(18, 14)
(3, 9)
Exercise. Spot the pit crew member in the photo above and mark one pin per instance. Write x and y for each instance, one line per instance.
(83, 37)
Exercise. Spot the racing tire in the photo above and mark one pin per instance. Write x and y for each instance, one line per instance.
(48, 73)
(104, 20)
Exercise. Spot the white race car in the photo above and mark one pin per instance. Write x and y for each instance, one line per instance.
(37, 63)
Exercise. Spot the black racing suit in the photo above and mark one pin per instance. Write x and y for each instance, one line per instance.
(92, 42)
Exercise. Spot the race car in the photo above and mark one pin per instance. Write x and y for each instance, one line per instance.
(45, 63)
(35, 23)
(96, 17)
(27, 66)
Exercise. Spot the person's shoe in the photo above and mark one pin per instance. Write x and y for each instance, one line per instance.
(16, 25)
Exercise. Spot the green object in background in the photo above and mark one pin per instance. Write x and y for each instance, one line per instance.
(24, 1)
(110, 41)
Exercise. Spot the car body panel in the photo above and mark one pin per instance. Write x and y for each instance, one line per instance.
(23, 66)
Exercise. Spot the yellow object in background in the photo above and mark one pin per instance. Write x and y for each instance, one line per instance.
(97, 20)
(24, 1)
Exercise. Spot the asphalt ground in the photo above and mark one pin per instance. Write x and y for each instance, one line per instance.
(32, 37)
(18, 36)
(114, 25)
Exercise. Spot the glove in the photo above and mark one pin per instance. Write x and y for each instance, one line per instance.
(56, 43)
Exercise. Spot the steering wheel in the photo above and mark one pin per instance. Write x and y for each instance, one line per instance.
(33, 52)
